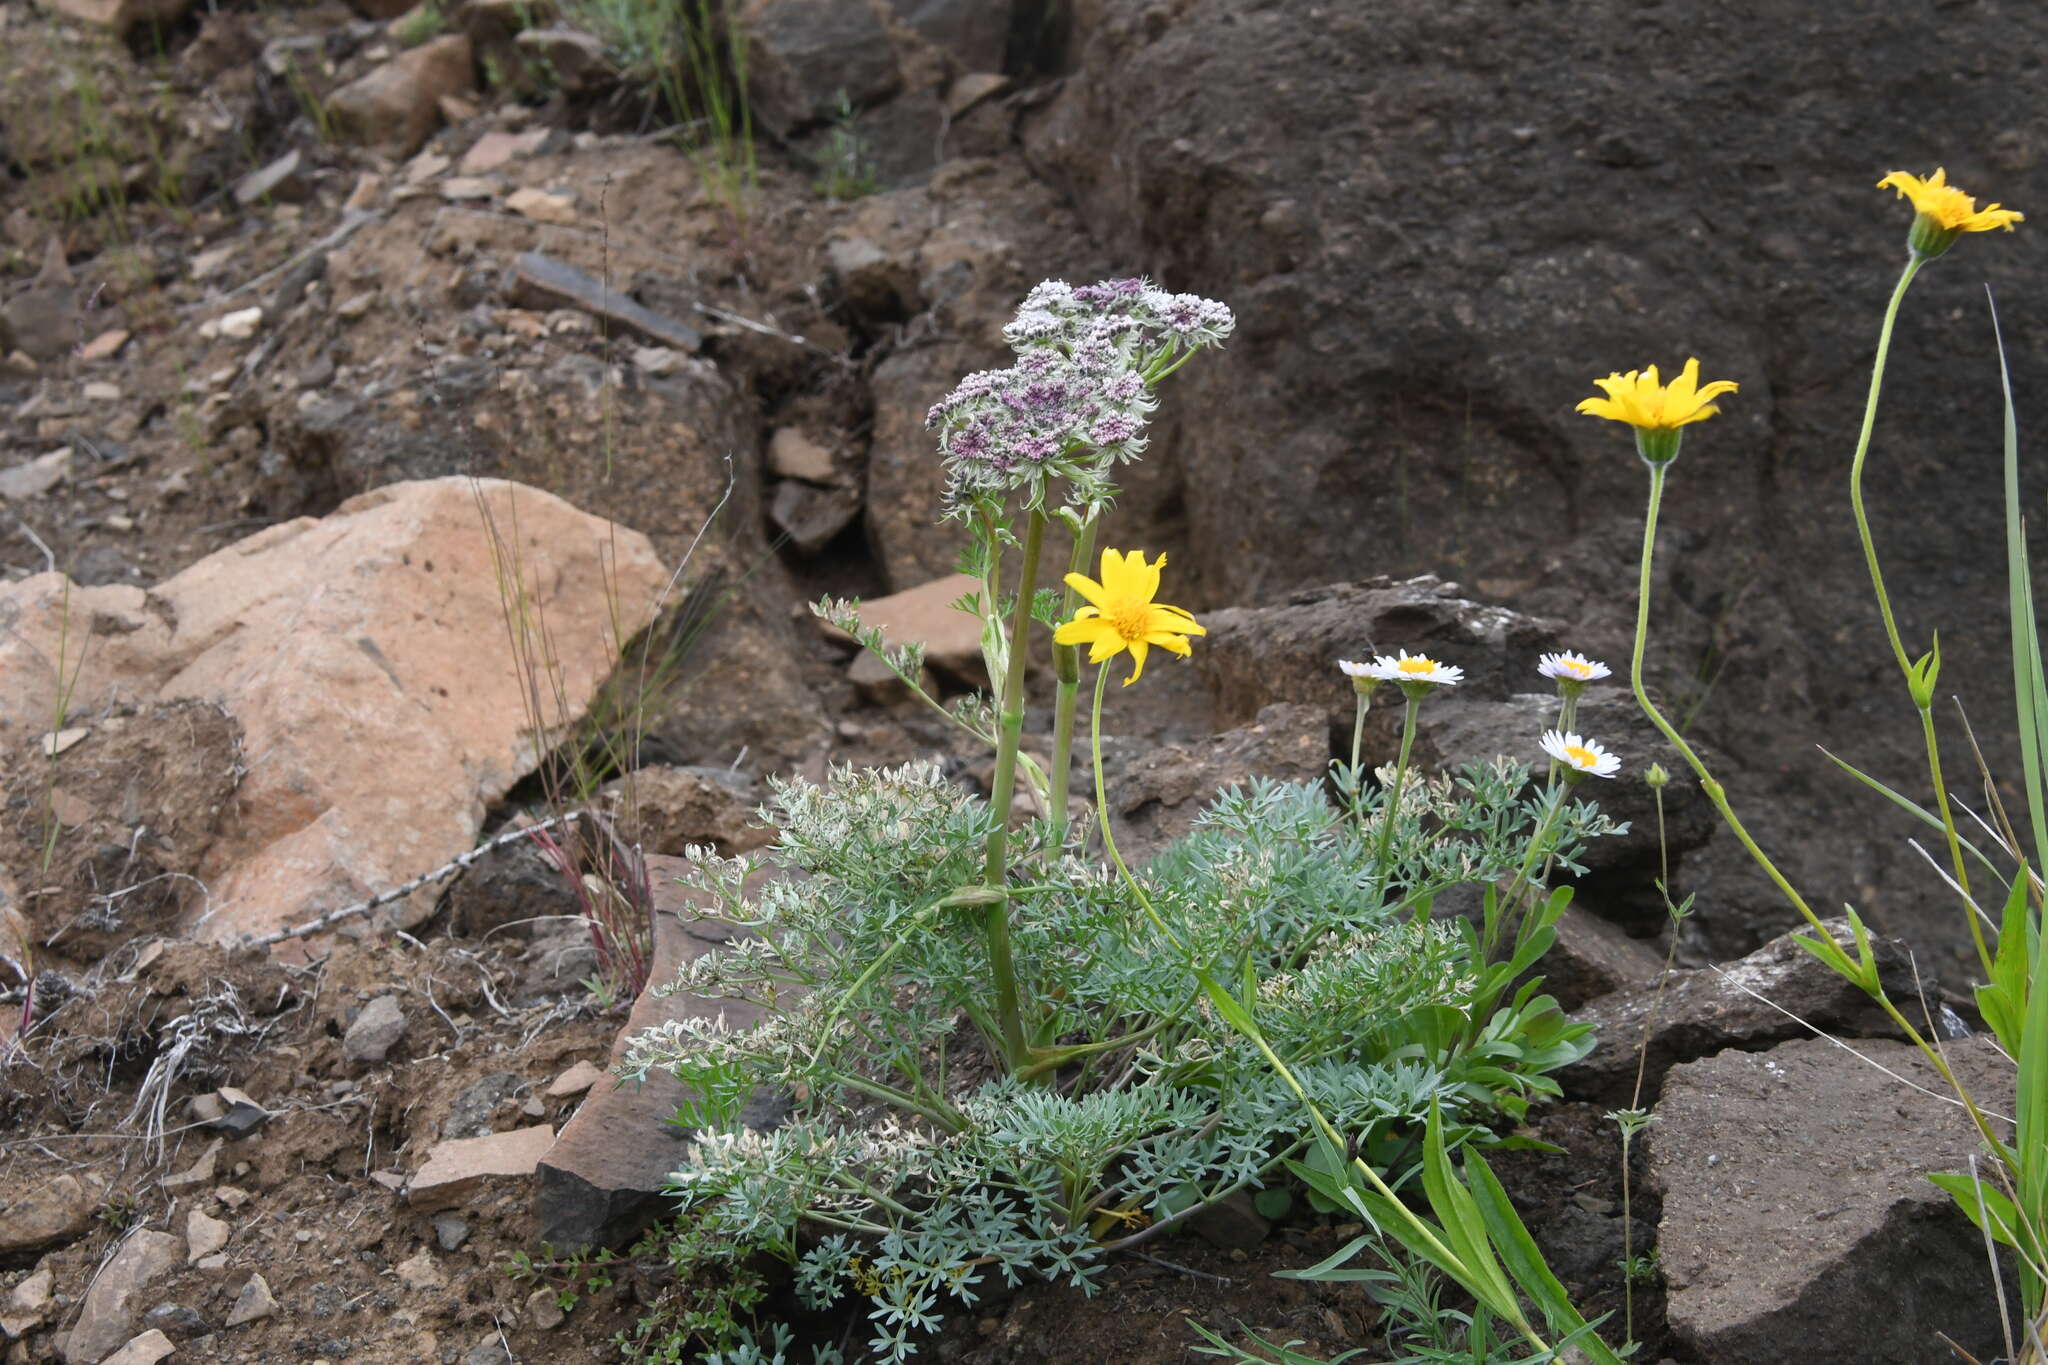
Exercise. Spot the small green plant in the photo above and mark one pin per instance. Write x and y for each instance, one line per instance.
(420, 23)
(846, 168)
(1011, 1055)
(693, 55)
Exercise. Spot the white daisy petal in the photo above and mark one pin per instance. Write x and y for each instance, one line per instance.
(1581, 755)
(1570, 666)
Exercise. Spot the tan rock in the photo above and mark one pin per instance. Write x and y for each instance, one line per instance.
(27, 1305)
(199, 1172)
(108, 1314)
(541, 206)
(421, 1271)
(925, 615)
(56, 1211)
(146, 1349)
(794, 455)
(204, 1236)
(106, 344)
(498, 147)
(457, 1167)
(396, 106)
(121, 16)
(574, 1081)
(255, 1301)
(337, 645)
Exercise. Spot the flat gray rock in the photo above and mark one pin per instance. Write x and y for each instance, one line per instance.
(1798, 1219)
(540, 281)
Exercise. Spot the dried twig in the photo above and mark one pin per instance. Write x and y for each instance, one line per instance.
(350, 221)
(460, 863)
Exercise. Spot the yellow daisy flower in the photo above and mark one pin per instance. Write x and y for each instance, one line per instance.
(1942, 212)
(1121, 614)
(1656, 410)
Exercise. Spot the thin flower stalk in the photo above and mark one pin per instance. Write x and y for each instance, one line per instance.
(1003, 788)
(1922, 703)
(1066, 660)
(1718, 797)
(1392, 810)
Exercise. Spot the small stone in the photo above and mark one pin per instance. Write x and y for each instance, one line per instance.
(207, 263)
(972, 88)
(100, 391)
(120, 522)
(354, 306)
(57, 1211)
(103, 346)
(541, 206)
(146, 1349)
(205, 1108)
(252, 1303)
(455, 1168)
(199, 1172)
(204, 1236)
(176, 1321)
(491, 151)
(390, 1180)
(230, 1197)
(217, 1261)
(544, 1311)
(424, 167)
(360, 199)
(533, 1108)
(244, 1115)
(657, 360)
(811, 516)
(793, 455)
(574, 1081)
(239, 325)
(459, 188)
(279, 181)
(376, 1029)
(450, 1231)
(26, 1305)
(421, 1271)
(39, 475)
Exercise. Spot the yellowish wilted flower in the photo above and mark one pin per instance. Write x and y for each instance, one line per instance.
(1121, 615)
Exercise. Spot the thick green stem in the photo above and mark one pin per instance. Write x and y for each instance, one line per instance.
(1392, 809)
(1066, 663)
(996, 918)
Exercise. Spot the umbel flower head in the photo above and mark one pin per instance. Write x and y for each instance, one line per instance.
(1417, 674)
(1659, 412)
(1941, 212)
(1571, 671)
(1077, 402)
(1121, 614)
(1580, 756)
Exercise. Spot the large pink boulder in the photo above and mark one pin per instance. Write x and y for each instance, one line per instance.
(364, 656)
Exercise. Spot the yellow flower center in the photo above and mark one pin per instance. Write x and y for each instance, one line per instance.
(1129, 617)
(1417, 665)
(1580, 756)
(1575, 668)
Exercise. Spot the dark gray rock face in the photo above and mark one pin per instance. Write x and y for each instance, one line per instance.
(1439, 222)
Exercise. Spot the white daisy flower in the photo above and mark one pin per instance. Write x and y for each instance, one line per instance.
(1581, 755)
(1416, 668)
(1352, 670)
(1569, 666)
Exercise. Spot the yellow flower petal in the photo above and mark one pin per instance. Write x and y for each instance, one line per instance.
(1121, 615)
(1640, 399)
